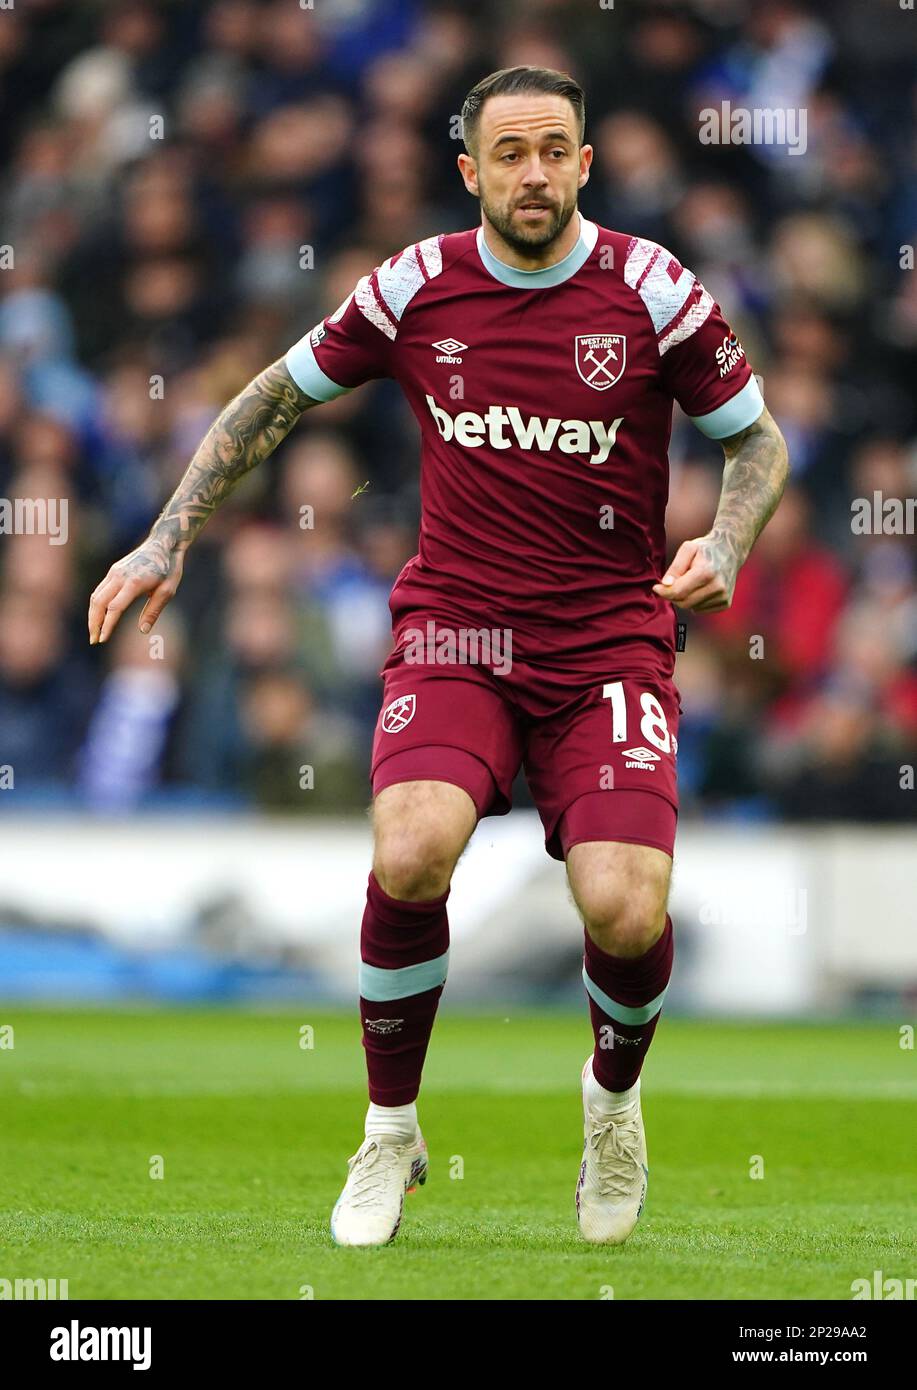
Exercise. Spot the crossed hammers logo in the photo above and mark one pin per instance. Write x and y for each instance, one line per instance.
(600, 366)
(602, 375)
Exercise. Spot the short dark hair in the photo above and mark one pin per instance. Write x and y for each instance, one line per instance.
(512, 81)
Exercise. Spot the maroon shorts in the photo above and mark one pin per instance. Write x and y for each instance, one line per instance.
(600, 764)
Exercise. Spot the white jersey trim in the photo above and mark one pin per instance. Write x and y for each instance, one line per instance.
(369, 306)
(649, 270)
(397, 282)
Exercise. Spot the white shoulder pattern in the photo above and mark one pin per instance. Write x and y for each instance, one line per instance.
(396, 282)
(667, 289)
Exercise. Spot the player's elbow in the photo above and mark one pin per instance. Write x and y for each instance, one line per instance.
(782, 463)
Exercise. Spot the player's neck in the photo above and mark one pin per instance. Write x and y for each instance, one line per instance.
(542, 256)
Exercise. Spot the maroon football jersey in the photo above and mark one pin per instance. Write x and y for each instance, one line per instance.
(544, 399)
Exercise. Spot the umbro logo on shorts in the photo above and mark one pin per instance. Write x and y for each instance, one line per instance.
(641, 757)
(398, 714)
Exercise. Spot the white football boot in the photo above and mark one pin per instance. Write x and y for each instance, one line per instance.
(613, 1175)
(383, 1169)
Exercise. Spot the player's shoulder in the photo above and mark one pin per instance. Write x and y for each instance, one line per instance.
(644, 265)
(672, 295)
(385, 296)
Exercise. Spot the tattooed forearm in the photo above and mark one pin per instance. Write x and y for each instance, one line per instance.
(753, 482)
(243, 435)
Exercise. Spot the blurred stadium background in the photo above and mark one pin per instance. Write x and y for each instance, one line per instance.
(186, 188)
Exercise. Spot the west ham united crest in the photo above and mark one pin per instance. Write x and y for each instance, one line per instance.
(398, 714)
(600, 358)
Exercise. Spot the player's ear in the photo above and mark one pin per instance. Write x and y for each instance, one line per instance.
(469, 172)
(585, 161)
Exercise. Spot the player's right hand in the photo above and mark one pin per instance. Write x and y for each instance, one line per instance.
(150, 569)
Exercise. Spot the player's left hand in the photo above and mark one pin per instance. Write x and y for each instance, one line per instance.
(702, 576)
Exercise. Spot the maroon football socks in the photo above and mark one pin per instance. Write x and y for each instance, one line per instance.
(404, 952)
(625, 1000)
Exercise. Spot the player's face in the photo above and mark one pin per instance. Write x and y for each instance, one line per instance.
(529, 169)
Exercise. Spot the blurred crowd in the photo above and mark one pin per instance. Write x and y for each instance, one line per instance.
(187, 187)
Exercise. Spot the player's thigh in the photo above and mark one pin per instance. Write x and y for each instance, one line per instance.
(603, 776)
(621, 889)
(419, 832)
(445, 752)
(604, 767)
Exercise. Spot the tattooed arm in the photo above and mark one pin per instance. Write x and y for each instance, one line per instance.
(242, 436)
(702, 576)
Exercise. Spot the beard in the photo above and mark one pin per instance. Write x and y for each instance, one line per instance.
(520, 236)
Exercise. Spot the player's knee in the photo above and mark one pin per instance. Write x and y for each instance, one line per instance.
(624, 923)
(413, 868)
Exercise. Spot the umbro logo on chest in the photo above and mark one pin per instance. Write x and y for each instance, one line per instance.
(447, 348)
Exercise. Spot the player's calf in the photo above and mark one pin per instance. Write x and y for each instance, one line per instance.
(420, 830)
(621, 891)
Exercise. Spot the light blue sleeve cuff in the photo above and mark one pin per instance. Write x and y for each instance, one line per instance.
(308, 375)
(737, 414)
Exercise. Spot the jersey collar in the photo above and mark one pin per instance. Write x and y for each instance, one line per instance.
(549, 274)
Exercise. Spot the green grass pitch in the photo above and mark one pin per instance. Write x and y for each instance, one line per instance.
(253, 1132)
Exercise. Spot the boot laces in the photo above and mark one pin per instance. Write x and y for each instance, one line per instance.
(371, 1170)
(615, 1145)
